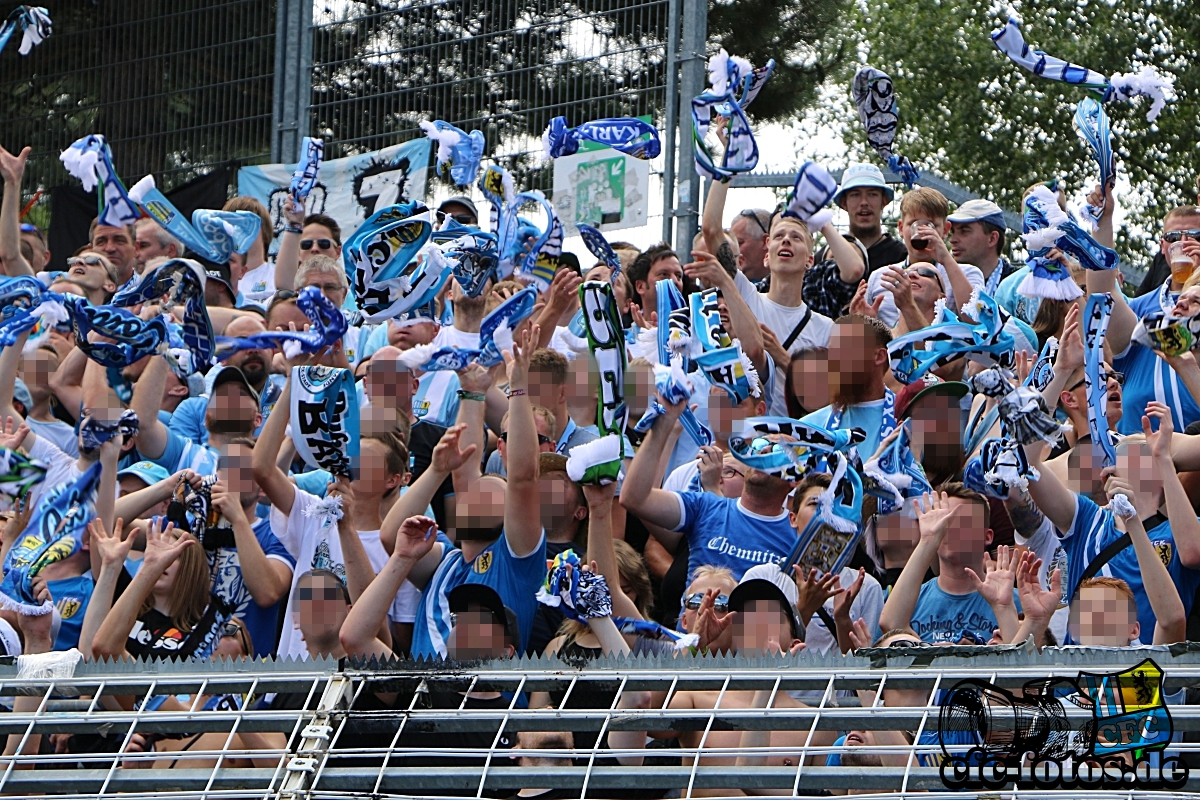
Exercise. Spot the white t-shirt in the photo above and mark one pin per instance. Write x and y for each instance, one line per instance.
(867, 607)
(60, 433)
(782, 320)
(313, 541)
(891, 315)
(60, 468)
(436, 398)
(258, 285)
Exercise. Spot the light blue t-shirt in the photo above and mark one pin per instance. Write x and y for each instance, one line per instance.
(515, 579)
(181, 453)
(1094, 528)
(59, 433)
(71, 596)
(1022, 307)
(943, 617)
(868, 416)
(722, 533)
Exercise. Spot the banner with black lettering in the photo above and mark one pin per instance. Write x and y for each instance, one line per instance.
(325, 418)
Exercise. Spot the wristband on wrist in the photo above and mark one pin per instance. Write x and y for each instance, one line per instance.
(515, 392)
(465, 395)
(293, 229)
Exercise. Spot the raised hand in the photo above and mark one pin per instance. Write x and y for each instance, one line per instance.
(113, 547)
(1159, 441)
(1070, 344)
(708, 270)
(860, 636)
(13, 435)
(1037, 602)
(477, 378)
(997, 585)
(516, 361)
(859, 304)
(843, 601)
(934, 518)
(563, 289)
(164, 546)
(599, 496)
(709, 626)
(814, 591)
(416, 537)
(712, 462)
(447, 457)
(12, 168)
(642, 320)
(227, 502)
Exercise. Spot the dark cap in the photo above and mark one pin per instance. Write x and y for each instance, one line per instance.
(461, 200)
(917, 391)
(461, 598)
(766, 582)
(227, 373)
(216, 275)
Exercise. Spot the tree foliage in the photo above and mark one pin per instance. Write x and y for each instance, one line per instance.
(969, 113)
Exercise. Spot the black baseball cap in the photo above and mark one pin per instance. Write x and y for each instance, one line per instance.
(227, 374)
(461, 200)
(461, 598)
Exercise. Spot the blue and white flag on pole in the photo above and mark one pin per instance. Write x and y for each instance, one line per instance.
(325, 418)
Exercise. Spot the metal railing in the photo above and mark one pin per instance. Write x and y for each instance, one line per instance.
(176, 88)
(371, 730)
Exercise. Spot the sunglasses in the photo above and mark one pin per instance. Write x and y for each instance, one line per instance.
(909, 643)
(748, 214)
(542, 438)
(463, 219)
(693, 601)
(932, 274)
(1108, 375)
(27, 228)
(322, 244)
(231, 630)
(327, 593)
(1175, 236)
(91, 261)
(285, 294)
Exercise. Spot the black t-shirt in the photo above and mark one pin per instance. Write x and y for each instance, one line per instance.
(154, 635)
(887, 250)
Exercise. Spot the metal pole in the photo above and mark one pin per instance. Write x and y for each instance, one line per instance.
(671, 132)
(691, 83)
(293, 78)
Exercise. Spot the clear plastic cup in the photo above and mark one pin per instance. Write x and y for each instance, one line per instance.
(1181, 263)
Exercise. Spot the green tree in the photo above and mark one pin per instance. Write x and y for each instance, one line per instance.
(972, 115)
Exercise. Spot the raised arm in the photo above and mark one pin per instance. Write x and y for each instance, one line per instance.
(745, 326)
(268, 580)
(106, 495)
(110, 550)
(714, 210)
(267, 474)
(1054, 499)
(147, 399)
(997, 588)
(67, 381)
(600, 549)
(447, 456)
(1038, 603)
(932, 520)
(522, 499)
(10, 360)
(640, 494)
(1170, 618)
(359, 634)
(475, 381)
(849, 258)
(12, 168)
(1184, 525)
(287, 259)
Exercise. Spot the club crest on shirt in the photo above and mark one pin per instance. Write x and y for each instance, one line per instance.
(68, 607)
(483, 563)
(1165, 551)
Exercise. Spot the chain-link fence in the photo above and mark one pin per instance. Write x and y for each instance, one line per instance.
(175, 87)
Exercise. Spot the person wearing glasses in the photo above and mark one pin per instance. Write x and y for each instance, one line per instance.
(461, 209)
(95, 275)
(543, 418)
(749, 227)
(303, 237)
(1182, 224)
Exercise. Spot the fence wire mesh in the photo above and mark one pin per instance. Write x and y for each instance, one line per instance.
(504, 68)
(320, 729)
(175, 87)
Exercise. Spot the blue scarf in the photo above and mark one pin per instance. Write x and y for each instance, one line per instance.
(1146, 82)
(727, 75)
(458, 153)
(541, 262)
(495, 331)
(1024, 416)
(474, 260)
(304, 179)
(1096, 315)
(811, 194)
(90, 160)
(627, 135)
(1048, 226)
(831, 535)
(898, 476)
(327, 326)
(325, 419)
(21, 306)
(598, 246)
(179, 281)
(804, 445)
(1092, 124)
(205, 235)
(1000, 466)
(949, 338)
(134, 338)
(497, 187)
(671, 310)
(875, 97)
(93, 432)
(54, 533)
(381, 259)
(35, 27)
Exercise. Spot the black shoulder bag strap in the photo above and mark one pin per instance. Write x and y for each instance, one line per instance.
(800, 326)
(1115, 546)
(827, 618)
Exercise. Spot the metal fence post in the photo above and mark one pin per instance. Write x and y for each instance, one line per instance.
(293, 78)
(693, 49)
(671, 129)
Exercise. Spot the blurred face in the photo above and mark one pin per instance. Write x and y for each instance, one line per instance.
(284, 313)
(1136, 465)
(665, 269)
(808, 508)
(726, 418)
(1085, 471)
(789, 250)
(461, 214)
(966, 536)
(865, 207)
(479, 512)
(118, 247)
(148, 246)
(581, 391)
(971, 243)
(937, 427)
(1101, 617)
(761, 627)
(544, 392)
(320, 609)
(477, 634)
(810, 380)
(853, 361)
(373, 477)
(231, 410)
(36, 371)
(389, 383)
(319, 241)
(330, 284)
(235, 470)
(255, 363)
(561, 500)
(407, 337)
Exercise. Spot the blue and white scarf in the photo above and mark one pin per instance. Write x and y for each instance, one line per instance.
(1047, 226)
(1092, 124)
(133, 337)
(810, 197)
(179, 281)
(90, 160)
(212, 235)
(627, 135)
(496, 184)
(795, 446)
(727, 75)
(999, 467)
(327, 325)
(474, 260)
(495, 331)
(382, 259)
(875, 97)
(325, 419)
(672, 311)
(1096, 315)
(24, 302)
(35, 27)
(1166, 334)
(949, 338)
(18, 475)
(1024, 416)
(719, 356)
(831, 536)
(304, 179)
(598, 246)
(54, 533)
(897, 475)
(458, 153)
(1121, 86)
(539, 264)
(94, 432)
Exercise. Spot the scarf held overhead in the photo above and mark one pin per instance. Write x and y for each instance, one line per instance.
(325, 418)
